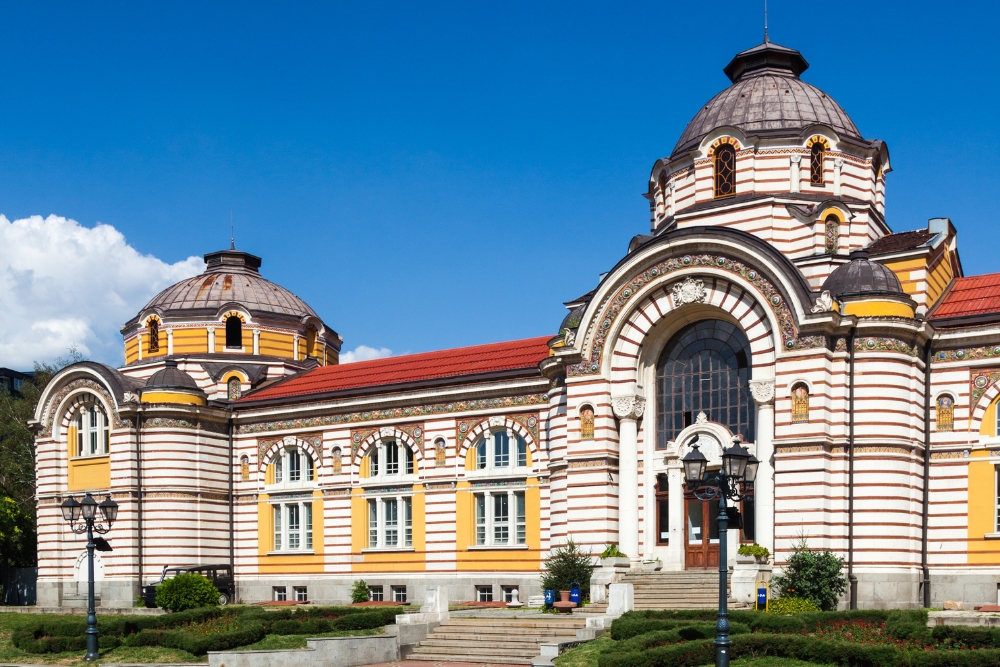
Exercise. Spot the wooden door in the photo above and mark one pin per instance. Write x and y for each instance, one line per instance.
(701, 534)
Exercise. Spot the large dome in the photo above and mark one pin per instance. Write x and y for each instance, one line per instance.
(230, 277)
(767, 97)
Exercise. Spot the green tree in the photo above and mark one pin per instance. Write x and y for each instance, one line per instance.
(17, 464)
(812, 575)
(566, 565)
(187, 590)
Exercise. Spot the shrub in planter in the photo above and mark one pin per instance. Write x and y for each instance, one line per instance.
(612, 551)
(755, 550)
(566, 565)
(359, 593)
(815, 575)
(791, 605)
(186, 591)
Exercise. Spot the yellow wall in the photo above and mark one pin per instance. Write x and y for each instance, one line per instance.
(275, 344)
(527, 559)
(982, 491)
(988, 425)
(291, 563)
(937, 269)
(132, 350)
(92, 472)
(190, 341)
(388, 561)
(878, 309)
(177, 397)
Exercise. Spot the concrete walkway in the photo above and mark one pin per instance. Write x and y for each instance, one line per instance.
(422, 663)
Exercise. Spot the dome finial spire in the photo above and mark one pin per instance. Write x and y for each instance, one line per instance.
(765, 22)
(232, 231)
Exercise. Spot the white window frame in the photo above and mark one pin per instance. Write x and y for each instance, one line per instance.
(293, 523)
(996, 499)
(390, 459)
(93, 431)
(294, 462)
(389, 521)
(496, 455)
(490, 529)
(996, 420)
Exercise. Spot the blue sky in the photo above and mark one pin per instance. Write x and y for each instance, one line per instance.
(429, 175)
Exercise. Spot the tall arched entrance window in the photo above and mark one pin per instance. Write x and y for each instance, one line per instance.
(704, 368)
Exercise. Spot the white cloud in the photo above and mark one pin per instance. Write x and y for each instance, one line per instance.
(364, 353)
(63, 285)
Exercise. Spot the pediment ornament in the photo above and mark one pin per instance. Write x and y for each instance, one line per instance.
(689, 290)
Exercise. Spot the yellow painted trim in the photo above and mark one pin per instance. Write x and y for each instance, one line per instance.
(269, 474)
(988, 425)
(875, 308)
(359, 528)
(364, 470)
(92, 472)
(71, 434)
(830, 210)
(234, 374)
(172, 397)
(470, 458)
(982, 487)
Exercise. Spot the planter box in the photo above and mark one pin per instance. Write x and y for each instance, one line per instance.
(615, 562)
(653, 566)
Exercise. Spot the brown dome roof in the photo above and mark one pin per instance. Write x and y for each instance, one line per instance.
(767, 96)
(230, 277)
(862, 277)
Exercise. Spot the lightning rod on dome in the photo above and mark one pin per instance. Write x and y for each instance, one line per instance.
(765, 21)
(232, 232)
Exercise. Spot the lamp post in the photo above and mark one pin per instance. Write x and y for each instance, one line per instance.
(734, 481)
(83, 517)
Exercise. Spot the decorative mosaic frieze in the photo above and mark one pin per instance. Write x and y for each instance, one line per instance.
(433, 409)
(70, 387)
(981, 381)
(441, 486)
(336, 493)
(884, 344)
(806, 343)
(882, 449)
(592, 463)
(387, 489)
(464, 427)
(617, 303)
(969, 354)
(291, 496)
(499, 483)
(961, 454)
(169, 422)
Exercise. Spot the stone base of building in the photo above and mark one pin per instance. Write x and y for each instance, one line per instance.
(112, 593)
(972, 588)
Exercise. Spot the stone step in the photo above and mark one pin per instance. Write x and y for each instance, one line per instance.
(446, 657)
(481, 637)
(527, 650)
(554, 623)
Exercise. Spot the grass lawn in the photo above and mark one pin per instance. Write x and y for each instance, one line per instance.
(136, 654)
(585, 655)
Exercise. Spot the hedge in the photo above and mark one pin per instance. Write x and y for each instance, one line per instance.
(973, 636)
(67, 634)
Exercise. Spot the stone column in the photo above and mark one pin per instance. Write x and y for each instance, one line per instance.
(675, 479)
(763, 394)
(170, 342)
(139, 337)
(211, 340)
(256, 341)
(628, 409)
(795, 172)
(838, 168)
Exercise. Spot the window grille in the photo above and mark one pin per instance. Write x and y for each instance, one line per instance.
(725, 171)
(154, 336)
(705, 368)
(817, 158)
(832, 231)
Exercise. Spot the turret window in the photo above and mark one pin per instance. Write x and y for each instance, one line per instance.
(725, 171)
(816, 160)
(234, 332)
(832, 231)
(154, 336)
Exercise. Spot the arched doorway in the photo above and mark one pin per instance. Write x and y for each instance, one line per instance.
(703, 374)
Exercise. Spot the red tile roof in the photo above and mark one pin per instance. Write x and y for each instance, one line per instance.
(975, 295)
(455, 363)
(900, 241)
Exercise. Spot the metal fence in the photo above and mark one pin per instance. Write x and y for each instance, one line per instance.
(17, 585)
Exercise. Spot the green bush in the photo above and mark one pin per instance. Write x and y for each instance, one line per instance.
(754, 550)
(612, 551)
(188, 590)
(199, 644)
(359, 593)
(910, 624)
(791, 605)
(816, 575)
(970, 636)
(567, 565)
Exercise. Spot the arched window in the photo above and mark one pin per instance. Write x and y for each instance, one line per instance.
(154, 335)
(92, 431)
(725, 170)
(493, 450)
(293, 466)
(661, 182)
(877, 165)
(390, 458)
(235, 388)
(832, 241)
(234, 331)
(586, 423)
(705, 368)
(945, 418)
(817, 157)
(800, 403)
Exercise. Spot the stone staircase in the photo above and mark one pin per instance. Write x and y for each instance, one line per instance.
(686, 589)
(503, 641)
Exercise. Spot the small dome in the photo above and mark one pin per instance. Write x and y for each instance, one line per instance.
(862, 276)
(230, 276)
(171, 377)
(767, 96)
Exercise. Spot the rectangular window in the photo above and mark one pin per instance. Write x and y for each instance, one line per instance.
(372, 524)
(501, 519)
(294, 526)
(501, 450)
(508, 593)
(79, 434)
(92, 431)
(279, 594)
(391, 458)
(409, 460)
(480, 518)
(308, 527)
(375, 593)
(399, 593)
(301, 595)
(391, 516)
(373, 463)
(278, 468)
(522, 452)
(996, 499)
(310, 470)
(277, 527)
(481, 455)
(484, 594)
(407, 522)
(294, 466)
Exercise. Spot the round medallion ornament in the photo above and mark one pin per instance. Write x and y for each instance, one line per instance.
(594, 367)
(357, 438)
(626, 292)
(751, 274)
(870, 343)
(776, 299)
(996, 350)
(721, 261)
(790, 344)
(654, 271)
(686, 260)
(960, 354)
(531, 422)
(417, 432)
(463, 427)
(981, 382)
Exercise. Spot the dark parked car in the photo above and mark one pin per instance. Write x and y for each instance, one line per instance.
(221, 575)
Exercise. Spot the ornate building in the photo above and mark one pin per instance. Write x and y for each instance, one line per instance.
(770, 300)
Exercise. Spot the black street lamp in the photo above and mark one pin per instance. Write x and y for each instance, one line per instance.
(83, 517)
(733, 482)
